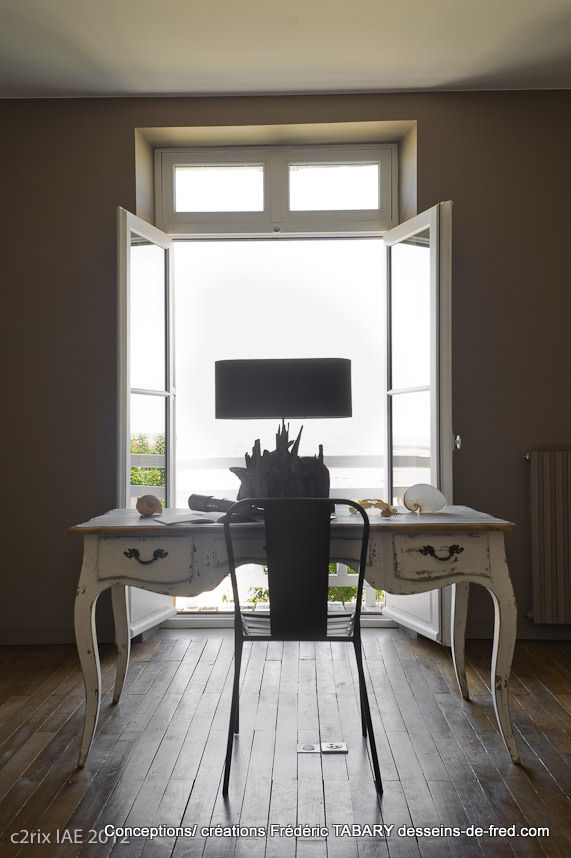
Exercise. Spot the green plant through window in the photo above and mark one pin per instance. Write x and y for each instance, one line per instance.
(141, 444)
(258, 595)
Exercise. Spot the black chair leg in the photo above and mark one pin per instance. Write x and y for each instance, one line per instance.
(363, 719)
(367, 713)
(236, 688)
(233, 726)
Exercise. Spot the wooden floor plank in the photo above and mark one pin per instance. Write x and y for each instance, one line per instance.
(203, 795)
(283, 812)
(257, 793)
(339, 812)
(22, 759)
(397, 814)
(310, 799)
(311, 848)
(452, 816)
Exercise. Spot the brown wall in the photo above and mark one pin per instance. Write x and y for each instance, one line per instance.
(502, 157)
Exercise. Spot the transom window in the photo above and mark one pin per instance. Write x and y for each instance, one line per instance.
(259, 190)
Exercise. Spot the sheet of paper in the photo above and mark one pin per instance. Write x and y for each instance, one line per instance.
(182, 516)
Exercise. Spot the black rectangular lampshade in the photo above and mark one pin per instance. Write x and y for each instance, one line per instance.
(298, 387)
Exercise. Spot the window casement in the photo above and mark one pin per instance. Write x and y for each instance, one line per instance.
(264, 190)
(246, 218)
(145, 450)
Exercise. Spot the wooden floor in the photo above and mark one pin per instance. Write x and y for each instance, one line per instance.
(158, 756)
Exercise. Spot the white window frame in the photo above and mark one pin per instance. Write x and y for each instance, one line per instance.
(128, 223)
(145, 610)
(428, 613)
(276, 218)
(438, 220)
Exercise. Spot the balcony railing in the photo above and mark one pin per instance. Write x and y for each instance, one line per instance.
(409, 469)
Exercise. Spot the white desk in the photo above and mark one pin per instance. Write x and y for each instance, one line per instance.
(407, 554)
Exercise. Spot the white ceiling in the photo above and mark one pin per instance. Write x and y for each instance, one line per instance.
(56, 48)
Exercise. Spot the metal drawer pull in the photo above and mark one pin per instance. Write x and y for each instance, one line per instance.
(158, 554)
(429, 551)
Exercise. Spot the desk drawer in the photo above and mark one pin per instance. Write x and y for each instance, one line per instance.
(166, 561)
(431, 556)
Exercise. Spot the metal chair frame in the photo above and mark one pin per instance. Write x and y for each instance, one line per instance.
(320, 509)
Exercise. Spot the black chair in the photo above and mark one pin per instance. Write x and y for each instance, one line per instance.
(297, 536)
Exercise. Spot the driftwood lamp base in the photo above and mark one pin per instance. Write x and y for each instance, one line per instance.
(283, 473)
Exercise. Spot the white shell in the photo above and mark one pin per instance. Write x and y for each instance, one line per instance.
(149, 505)
(424, 498)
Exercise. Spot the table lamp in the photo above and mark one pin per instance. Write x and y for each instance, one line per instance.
(283, 388)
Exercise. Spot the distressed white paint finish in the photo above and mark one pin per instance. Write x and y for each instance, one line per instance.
(192, 559)
(505, 623)
(459, 615)
(116, 559)
(122, 636)
(412, 560)
(86, 638)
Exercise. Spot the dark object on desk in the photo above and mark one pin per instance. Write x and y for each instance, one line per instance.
(208, 503)
(303, 387)
(282, 473)
(297, 541)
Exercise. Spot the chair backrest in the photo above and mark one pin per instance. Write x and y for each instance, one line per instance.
(297, 541)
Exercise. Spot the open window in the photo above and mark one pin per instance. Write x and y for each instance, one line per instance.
(419, 402)
(286, 252)
(146, 369)
(145, 449)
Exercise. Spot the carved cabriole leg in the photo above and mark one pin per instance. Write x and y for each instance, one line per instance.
(505, 627)
(86, 640)
(122, 636)
(460, 592)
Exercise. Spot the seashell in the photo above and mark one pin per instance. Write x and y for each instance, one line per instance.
(149, 505)
(424, 498)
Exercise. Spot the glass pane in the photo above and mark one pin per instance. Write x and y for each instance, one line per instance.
(147, 315)
(148, 422)
(219, 189)
(411, 441)
(410, 311)
(268, 299)
(327, 187)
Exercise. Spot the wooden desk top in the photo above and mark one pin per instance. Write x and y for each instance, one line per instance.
(128, 522)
